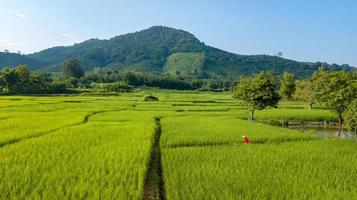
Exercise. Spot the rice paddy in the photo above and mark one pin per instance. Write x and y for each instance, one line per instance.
(102, 147)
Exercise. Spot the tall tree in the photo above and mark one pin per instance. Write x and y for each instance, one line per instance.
(336, 91)
(287, 85)
(304, 91)
(10, 77)
(257, 92)
(72, 68)
(17, 79)
(2, 82)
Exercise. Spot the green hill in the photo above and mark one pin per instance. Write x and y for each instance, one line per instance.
(13, 59)
(162, 49)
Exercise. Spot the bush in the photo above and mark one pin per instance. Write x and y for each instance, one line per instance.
(111, 87)
(150, 98)
(57, 87)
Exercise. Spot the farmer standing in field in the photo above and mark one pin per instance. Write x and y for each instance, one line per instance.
(245, 140)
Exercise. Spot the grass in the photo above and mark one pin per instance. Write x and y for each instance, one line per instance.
(211, 130)
(96, 160)
(298, 170)
(185, 63)
(100, 147)
(296, 114)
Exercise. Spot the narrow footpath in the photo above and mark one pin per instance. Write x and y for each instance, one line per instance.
(154, 184)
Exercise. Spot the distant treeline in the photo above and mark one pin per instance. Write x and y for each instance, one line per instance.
(21, 80)
(154, 80)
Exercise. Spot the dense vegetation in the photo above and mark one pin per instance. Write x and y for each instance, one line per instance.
(163, 50)
(333, 90)
(257, 92)
(14, 59)
(21, 80)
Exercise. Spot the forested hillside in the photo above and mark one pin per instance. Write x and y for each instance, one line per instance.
(167, 51)
(14, 59)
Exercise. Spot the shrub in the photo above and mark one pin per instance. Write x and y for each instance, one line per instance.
(150, 98)
(111, 87)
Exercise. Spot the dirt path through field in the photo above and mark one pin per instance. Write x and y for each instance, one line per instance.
(154, 183)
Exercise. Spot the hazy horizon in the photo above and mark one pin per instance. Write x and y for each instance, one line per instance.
(304, 31)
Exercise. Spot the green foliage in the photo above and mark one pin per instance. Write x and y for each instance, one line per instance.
(21, 80)
(287, 85)
(2, 83)
(257, 92)
(304, 91)
(14, 59)
(134, 79)
(150, 98)
(111, 87)
(350, 116)
(72, 68)
(335, 90)
(137, 79)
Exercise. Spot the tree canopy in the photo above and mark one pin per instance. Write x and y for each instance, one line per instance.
(21, 80)
(257, 92)
(304, 91)
(287, 85)
(335, 91)
(72, 68)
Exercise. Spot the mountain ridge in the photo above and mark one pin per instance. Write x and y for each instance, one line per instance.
(166, 50)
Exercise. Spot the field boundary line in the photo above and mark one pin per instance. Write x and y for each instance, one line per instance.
(173, 146)
(85, 120)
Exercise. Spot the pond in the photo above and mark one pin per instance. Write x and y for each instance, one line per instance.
(325, 132)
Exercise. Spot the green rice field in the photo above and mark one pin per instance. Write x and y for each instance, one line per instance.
(105, 147)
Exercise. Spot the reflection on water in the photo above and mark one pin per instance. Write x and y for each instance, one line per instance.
(326, 132)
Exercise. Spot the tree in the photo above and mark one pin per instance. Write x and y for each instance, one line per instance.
(257, 92)
(72, 82)
(350, 116)
(18, 79)
(287, 85)
(72, 68)
(23, 78)
(335, 91)
(133, 79)
(304, 91)
(10, 77)
(2, 82)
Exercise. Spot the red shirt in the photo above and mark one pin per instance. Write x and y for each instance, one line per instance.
(246, 140)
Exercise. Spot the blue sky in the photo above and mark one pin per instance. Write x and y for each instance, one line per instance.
(304, 30)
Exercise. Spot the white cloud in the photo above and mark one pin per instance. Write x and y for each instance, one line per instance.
(15, 13)
(21, 15)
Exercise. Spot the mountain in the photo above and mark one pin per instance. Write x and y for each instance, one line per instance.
(13, 59)
(166, 50)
